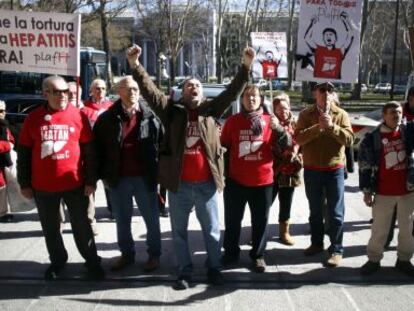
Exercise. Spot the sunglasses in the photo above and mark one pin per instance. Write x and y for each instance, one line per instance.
(59, 92)
(130, 89)
(325, 90)
(2, 110)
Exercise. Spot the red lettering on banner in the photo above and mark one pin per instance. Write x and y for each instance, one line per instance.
(42, 40)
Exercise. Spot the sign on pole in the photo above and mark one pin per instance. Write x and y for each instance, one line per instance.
(40, 42)
(271, 55)
(328, 40)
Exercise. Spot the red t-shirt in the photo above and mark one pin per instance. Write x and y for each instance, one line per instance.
(195, 164)
(92, 110)
(269, 68)
(5, 146)
(251, 162)
(328, 62)
(130, 165)
(55, 138)
(393, 165)
(407, 114)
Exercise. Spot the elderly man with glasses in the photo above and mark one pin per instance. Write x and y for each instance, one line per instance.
(127, 137)
(323, 130)
(56, 161)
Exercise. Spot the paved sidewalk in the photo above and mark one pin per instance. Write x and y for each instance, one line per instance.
(291, 281)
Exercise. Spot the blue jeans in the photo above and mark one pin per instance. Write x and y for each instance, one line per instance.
(332, 184)
(203, 196)
(122, 206)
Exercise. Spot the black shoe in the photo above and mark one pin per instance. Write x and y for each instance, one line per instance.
(405, 266)
(6, 218)
(52, 272)
(183, 282)
(259, 265)
(215, 277)
(96, 273)
(163, 213)
(370, 267)
(228, 259)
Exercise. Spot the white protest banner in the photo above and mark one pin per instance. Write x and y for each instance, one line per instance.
(328, 40)
(271, 55)
(40, 42)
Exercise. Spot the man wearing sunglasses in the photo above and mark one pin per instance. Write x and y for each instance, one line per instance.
(56, 162)
(323, 130)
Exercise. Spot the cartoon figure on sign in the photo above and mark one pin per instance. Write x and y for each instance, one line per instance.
(269, 64)
(327, 57)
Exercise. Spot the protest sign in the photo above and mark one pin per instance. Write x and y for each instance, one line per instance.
(271, 55)
(40, 42)
(328, 40)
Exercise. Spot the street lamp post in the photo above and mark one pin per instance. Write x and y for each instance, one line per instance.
(394, 53)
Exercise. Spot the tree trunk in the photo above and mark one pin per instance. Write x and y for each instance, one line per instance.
(356, 92)
(105, 41)
(290, 43)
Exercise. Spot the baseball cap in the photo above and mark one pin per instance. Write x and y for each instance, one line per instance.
(328, 85)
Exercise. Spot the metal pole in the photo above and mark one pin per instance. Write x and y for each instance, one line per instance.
(394, 53)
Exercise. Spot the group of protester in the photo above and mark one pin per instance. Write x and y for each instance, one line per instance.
(133, 145)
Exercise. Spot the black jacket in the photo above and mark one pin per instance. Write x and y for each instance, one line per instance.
(108, 141)
(5, 159)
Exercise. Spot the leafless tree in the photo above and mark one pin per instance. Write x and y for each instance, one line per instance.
(170, 22)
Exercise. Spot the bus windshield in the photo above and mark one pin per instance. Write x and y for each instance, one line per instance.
(20, 82)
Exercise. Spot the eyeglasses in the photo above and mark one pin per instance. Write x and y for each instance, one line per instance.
(130, 89)
(2, 110)
(324, 90)
(59, 92)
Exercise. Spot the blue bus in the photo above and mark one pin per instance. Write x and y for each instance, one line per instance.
(22, 91)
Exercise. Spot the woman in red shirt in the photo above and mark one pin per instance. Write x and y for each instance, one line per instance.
(248, 139)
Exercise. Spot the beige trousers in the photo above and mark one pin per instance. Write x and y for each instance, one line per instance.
(4, 203)
(382, 211)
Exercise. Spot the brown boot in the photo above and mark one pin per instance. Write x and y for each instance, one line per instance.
(284, 235)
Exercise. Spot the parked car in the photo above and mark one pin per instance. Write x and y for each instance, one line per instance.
(209, 91)
(18, 108)
(261, 83)
(362, 124)
(399, 89)
(297, 85)
(383, 88)
(364, 88)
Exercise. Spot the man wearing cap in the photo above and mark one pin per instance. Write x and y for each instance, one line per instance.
(323, 131)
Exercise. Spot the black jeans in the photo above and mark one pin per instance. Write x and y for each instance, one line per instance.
(235, 198)
(48, 204)
(285, 200)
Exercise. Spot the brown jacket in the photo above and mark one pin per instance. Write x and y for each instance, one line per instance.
(323, 149)
(174, 117)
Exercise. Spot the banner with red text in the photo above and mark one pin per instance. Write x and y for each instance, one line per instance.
(328, 40)
(40, 42)
(271, 55)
